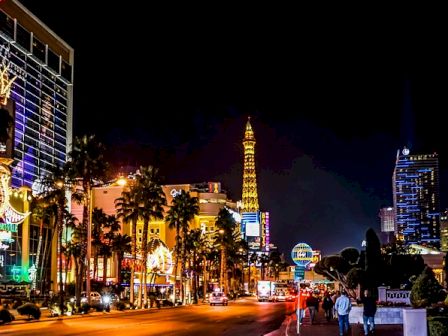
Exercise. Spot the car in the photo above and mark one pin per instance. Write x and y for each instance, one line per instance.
(218, 298)
(95, 297)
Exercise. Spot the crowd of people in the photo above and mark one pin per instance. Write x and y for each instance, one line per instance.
(336, 305)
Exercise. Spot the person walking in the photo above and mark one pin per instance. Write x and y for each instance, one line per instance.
(369, 312)
(343, 307)
(312, 303)
(327, 305)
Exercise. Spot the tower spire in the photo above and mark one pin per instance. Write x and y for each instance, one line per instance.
(250, 194)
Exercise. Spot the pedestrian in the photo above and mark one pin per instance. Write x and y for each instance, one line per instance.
(301, 304)
(312, 303)
(343, 307)
(334, 297)
(368, 314)
(327, 305)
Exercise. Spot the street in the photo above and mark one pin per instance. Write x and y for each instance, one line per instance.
(243, 317)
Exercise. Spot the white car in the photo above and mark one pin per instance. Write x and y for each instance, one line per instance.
(95, 297)
(218, 298)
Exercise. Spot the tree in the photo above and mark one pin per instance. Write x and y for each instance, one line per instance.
(225, 237)
(129, 211)
(121, 245)
(110, 230)
(194, 241)
(151, 200)
(374, 267)
(54, 189)
(426, 290)
(99, 218)
(87, 164)
(181, 212)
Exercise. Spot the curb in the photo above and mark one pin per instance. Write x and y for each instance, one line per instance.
(93, 314)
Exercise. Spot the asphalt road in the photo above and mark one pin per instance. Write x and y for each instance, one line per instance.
(245, 317)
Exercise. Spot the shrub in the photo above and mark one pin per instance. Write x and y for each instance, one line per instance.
(426, 290)
(6, 316)
(29, 309)
(438, 325)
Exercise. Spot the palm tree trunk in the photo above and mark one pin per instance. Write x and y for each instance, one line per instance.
(204, 278)
(105, 268)
(195, 291)
(183, 259)
(95, 263)
(134, 256)
(222, 269)
(59, 228)
(44, 261)
(176, 263)
(145, 259)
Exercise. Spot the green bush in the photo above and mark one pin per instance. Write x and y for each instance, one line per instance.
(426, 290)
(438, 325)
(29, 309)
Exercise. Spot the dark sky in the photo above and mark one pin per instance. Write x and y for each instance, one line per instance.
(331, 103)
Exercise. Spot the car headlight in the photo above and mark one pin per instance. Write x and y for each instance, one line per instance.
(84, 299)
(106, 299)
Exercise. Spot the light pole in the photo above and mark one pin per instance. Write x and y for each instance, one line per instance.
(221, 276)
(89, 244)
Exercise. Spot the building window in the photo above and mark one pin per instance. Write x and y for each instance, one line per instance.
(39, 49)
(23, 37)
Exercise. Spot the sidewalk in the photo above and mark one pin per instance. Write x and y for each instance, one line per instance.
(321, 327)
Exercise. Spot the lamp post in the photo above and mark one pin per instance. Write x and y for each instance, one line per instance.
(221, 275)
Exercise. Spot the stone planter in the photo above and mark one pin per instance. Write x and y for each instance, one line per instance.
(384, 315)
(414, 322)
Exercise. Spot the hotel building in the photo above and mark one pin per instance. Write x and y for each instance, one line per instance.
(416, 198)
(41, 66)
(42, 92)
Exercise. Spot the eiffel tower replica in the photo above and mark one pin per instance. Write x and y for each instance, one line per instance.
(250, 194)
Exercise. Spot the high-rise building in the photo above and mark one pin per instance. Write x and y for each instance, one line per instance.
(387, 219)
(444, 231)
(387, 223)
(416, 198)
(42, 91)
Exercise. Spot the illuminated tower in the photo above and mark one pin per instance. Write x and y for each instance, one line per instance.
(416, 198)
(250, 195)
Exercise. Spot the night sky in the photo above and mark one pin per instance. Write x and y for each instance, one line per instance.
(330, 106)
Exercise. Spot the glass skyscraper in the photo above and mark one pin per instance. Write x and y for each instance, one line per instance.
(416, 198)
(42, 91)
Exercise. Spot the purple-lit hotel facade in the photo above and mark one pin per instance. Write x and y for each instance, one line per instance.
(42, 92)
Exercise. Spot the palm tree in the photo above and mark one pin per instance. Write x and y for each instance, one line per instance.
(86, 163)
(195, 240)
(98, 220)
(181, 212)
(129, 211)
(54, 188)
(113, 226)
(225, 237)
(121, 245)
(152, 199)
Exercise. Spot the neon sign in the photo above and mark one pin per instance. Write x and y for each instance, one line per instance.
(9, 217)
(175, 192)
